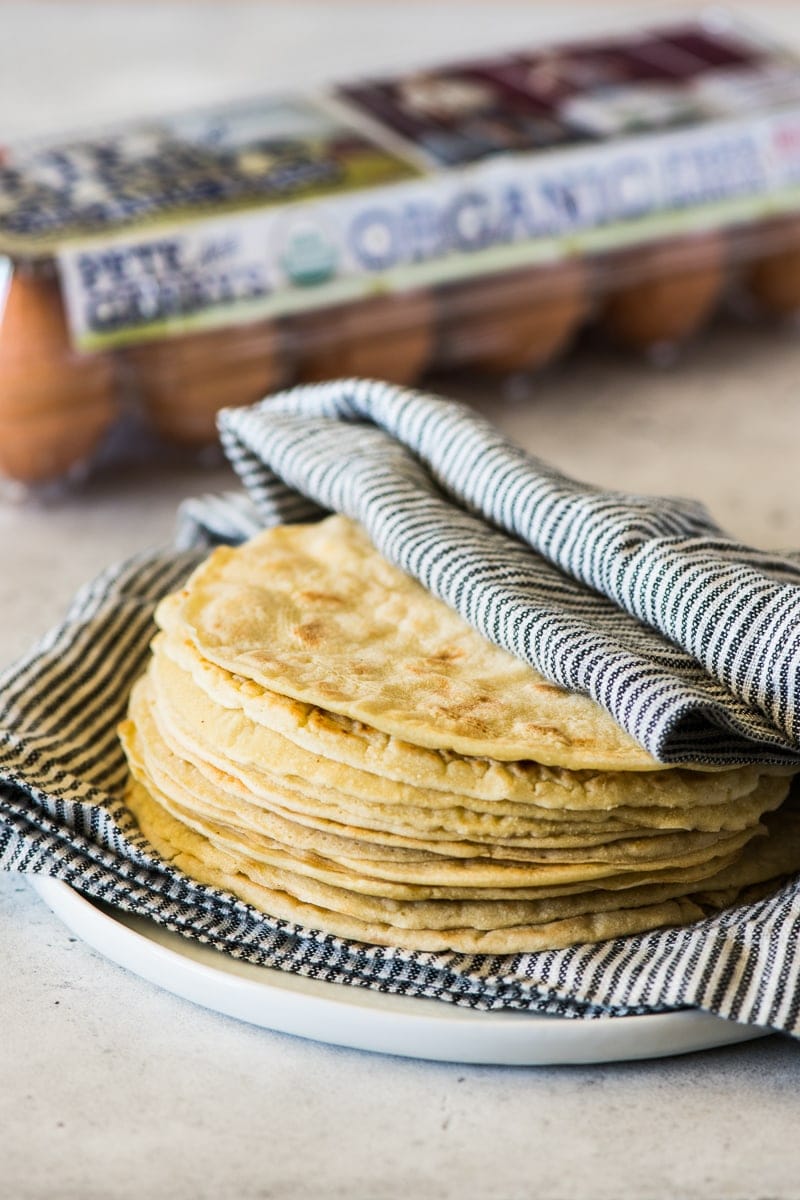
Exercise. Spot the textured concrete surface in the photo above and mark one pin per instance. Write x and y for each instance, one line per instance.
(110, 1088)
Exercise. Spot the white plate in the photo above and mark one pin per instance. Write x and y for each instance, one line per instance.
(367, 1020)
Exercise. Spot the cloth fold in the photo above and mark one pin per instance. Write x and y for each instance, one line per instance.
(689, 639)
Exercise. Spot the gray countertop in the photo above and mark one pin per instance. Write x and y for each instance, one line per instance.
(112, 1088)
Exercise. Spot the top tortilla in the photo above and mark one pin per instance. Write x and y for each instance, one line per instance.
(315, 613)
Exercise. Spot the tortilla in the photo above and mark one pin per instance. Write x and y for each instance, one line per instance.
(547, 924)
(242, 738)
(315, 613)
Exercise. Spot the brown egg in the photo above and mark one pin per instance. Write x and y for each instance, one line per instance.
(663, 293)
(45, 446)
(774, 279)
(512, 322)
(383, 337)
(183, 382)
(32, 316)
(55, 404)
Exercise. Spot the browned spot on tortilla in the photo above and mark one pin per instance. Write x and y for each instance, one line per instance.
(320, 719)
(331, 690)
(551, 733)
(361, 669)
(311, 633)
(551, 688)
(321, 597)
(466, 718)
(447, 654)
(437, 683)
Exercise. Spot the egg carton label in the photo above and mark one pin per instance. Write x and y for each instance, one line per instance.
(248, 154)
(495, 215)
(644, 81)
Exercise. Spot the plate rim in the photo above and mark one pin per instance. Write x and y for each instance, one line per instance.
(366, 1019)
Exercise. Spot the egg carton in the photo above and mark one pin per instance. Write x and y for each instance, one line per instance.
(471, 216)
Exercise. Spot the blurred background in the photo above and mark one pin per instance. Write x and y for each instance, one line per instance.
(68, 64)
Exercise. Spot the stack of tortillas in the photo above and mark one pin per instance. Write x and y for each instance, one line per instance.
(320, 736)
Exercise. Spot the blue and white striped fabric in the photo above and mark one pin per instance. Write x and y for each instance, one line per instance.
(689, 640)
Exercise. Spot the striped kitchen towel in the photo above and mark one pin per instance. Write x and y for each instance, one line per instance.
(689, 639)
